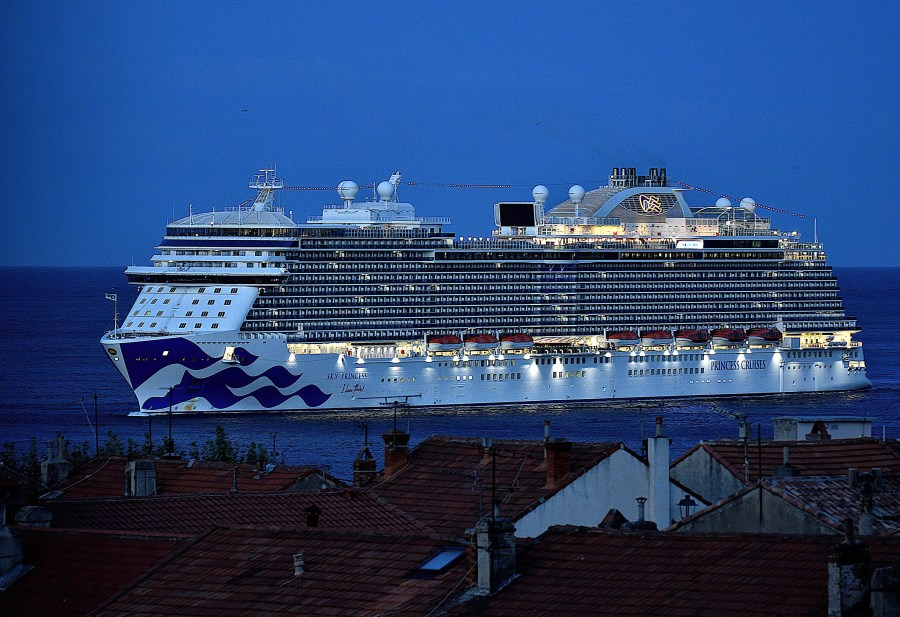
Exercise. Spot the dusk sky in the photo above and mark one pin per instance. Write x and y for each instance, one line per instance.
(117, 115)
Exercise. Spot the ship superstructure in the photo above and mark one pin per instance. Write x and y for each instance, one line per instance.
(624, 291)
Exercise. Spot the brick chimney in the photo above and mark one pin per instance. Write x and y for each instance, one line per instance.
(496, 544)
(557, 459)
(396, 451)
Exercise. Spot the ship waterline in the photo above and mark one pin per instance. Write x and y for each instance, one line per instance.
(246, 310)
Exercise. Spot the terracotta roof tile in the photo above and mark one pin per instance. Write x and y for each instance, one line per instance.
(231, 572)
(447, 483)
(74, 572)
(831, 457)
(106, 478)
(191, 514)
(570, 571)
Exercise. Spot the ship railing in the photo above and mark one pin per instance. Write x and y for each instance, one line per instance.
(249, 207)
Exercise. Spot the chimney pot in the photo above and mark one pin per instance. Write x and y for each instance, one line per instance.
(546, 430)
(659, 426)
(298, 564)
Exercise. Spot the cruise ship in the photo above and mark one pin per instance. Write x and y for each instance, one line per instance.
(620, 292)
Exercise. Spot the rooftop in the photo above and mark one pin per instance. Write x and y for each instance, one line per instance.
(832, 499)
(192, 514)
(252, 572)
(104, 478)
(73, 572)
(572, 571)
(447, 483)
(810, 458)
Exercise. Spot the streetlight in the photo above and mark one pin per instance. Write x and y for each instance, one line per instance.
(686, 506)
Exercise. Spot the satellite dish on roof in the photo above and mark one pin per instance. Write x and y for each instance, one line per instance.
(576, 194)
(540, 193)
(385, 190)
(748, 204)
(723, 202)
(347, 191)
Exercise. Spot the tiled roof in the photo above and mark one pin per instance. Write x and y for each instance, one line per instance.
(231, 572)
(447, 483)
(810, 458)
(106, 478)
(579, 571)
(191, 514)
(831, 499)
(74, 572)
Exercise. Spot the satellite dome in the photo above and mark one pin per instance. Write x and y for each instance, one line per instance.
(347, 190)
(385, 190)
(747, 203)
(576, 194)
(540, 193)
(723, 202)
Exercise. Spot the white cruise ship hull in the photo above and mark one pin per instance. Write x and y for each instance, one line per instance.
(262, 375)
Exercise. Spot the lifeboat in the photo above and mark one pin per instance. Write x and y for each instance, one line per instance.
(516, 341)
(656, 338)
(692, 338)
(728, 337)
(444, 342)
(623, 339)
(764, 336)
(481, 342)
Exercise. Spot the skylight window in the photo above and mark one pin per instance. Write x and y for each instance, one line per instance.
(442, 559)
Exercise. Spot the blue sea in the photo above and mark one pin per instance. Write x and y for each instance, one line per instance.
(53, 365)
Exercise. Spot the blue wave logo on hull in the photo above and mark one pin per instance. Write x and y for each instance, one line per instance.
(216, 389)
(143, 359)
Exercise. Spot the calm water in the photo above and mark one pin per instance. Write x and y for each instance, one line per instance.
(52, 319)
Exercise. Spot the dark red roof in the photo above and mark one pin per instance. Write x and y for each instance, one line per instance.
(192, 514)
(447, 483)
(580, 571)
(231, 572)
(811, 458)
(106, 478)
(74, 572)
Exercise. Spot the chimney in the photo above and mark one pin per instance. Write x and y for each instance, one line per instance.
(396, 451)
(140, 479)
(298, 564)
(847, 574)
(658, 463)
(883, 601)
(496, 544)
(640, 524)
(312, 515)
(11, 553)
(363, 467)
(55, 469)
(557, 459)
(34, 516)
(234, 474)
(785, 470)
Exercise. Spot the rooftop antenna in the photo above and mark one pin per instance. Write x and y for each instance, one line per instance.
(815, 230)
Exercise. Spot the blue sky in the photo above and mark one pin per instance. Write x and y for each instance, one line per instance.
(116, 115)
